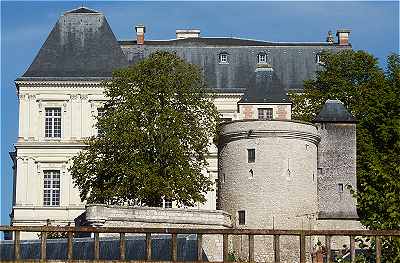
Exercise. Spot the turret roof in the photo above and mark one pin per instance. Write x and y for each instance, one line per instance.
(334, 111)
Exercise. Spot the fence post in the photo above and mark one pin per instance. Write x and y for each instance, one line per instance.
(43, 241)
(378, 249)
(328, 249)
(251, 248)
(277, 255)
(148, 246)
(174, 247)
(122, 246)
(17, 245)
(352, 249)
(199, 247)
(96, 246)
(225, 247)
(69, 246)
(302, 247)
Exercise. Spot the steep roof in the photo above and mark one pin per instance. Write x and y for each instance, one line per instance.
(267, 88)
(80, 45)
(334, 111)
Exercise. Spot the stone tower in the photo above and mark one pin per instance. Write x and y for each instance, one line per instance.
(336, 162)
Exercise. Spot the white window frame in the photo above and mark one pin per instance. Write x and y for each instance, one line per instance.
(100, 112)
(267, 113)
(50, 119)
(223, 58)
(51, 187)
(318, 59)
(262, 58)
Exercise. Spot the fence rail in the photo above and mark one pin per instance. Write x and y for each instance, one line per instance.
(251, 233)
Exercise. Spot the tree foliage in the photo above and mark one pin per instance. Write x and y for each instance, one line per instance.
(155, 134)
(373, 97)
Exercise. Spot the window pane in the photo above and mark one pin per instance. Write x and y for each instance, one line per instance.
(251, 155)
(242, 217)
(52, 123)
(51, 185)
(265, 114)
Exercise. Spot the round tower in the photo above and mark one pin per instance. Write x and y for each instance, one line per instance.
(268, 174)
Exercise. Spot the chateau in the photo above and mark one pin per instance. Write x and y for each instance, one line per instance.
(269, 171)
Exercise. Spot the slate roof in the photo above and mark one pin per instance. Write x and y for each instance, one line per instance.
(220, 41)
(266, 89)
(81, 45)
(334, 111)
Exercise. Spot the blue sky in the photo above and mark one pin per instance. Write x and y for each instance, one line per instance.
(26, 25)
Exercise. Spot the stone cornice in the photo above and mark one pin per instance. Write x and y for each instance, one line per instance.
(287, 134)
(57, 83)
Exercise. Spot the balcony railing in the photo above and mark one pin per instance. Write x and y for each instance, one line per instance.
(251, 233)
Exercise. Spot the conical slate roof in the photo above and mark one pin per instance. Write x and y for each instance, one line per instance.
(80, 45)
(334, 111)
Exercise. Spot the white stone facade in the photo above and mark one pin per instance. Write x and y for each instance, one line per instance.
(35, 153)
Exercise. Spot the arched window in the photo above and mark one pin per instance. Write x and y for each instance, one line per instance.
(223, 58)
(262, 58)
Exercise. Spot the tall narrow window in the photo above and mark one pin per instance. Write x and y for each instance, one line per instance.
(265, 113)
(52, 127)
(242, 217)
(340, 188)
(100, 113)
(51, 194)
(251, 155)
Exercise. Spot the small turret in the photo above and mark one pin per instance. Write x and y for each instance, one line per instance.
(336, 162)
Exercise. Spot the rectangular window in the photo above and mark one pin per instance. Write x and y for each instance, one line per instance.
(100, 113)
(340, 188)
(52, 127)
(262, 58)
(167, 203)
(265, 113)
(51, 187)
(223, 58)
(242, 217)
(251, 155)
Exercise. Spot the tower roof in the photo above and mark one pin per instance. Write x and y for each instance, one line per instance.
(334, 111)
(80, 45)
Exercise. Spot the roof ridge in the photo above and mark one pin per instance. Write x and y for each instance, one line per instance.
(82, 10)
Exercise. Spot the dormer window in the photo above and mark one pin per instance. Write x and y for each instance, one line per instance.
(262, 58)
(223, 58)
(318, 59)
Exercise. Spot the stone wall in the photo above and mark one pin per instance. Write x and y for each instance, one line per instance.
(152, 217)
(279, 189)
(337, 170)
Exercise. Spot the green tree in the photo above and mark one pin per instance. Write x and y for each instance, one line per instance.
(155, 134)
(373, 97)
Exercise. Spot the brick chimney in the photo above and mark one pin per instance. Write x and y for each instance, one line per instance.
(187, 33)
(343, 36)
(140, 30)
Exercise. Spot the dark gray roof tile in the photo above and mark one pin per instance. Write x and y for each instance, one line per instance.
(81, 44)
(334, 111)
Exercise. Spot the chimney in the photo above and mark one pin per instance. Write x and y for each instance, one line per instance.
(343, 36)
(329, 38)
(140, 30)
(187, 33)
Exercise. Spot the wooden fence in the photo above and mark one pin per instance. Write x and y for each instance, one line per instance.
(44, 230)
